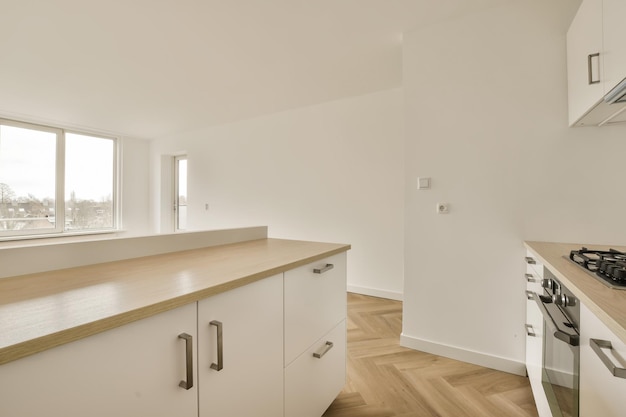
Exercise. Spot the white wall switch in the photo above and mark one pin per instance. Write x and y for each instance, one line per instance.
(443, 208)
(423, 183)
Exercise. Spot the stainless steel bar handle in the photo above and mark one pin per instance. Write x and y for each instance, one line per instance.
(328, 267)
(590, 58)
(530, 260)
(530, 278)
(529, 330)
(597, 346)
(188, 384)
(220, 346)
(327, 346)
(529, 295)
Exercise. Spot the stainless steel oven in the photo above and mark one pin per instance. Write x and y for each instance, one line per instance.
(561, 353)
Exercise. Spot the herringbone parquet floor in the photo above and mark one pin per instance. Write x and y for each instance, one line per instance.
(387, 380)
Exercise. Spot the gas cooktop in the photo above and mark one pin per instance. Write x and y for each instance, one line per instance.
(608, 266)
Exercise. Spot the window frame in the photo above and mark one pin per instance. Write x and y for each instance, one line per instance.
(59, 229)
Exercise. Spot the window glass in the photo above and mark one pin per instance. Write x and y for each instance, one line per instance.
(28, 166)
(52, 181)
(89, 181)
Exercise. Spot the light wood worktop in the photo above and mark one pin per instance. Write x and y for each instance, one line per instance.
(44, 310)
(606, 303)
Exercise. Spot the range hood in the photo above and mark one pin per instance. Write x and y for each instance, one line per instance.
(610, 110)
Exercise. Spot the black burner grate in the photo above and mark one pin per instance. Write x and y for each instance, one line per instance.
(609, 265)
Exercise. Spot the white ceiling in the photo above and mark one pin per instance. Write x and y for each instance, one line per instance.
(148, 68)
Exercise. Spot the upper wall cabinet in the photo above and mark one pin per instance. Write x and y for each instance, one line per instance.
(596, 62)
(584, 60)
(614, 41)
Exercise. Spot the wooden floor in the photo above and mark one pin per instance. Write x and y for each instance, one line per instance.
(385, 379)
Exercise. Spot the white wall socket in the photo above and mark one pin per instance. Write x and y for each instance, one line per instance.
(443, 208)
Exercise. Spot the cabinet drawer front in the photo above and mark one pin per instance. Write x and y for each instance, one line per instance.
(534, 342)
(533, 265)
(311, 383)
(314, 303)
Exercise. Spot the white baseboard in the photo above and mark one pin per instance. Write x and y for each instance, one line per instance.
(374, 292)
(477, 358)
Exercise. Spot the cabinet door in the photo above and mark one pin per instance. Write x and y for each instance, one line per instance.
(601, 393)
(131, 371)
(584, 39)
(250, 381)
(614, 42)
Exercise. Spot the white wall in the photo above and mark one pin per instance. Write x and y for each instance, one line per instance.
(136, 187)
(332, 172)
(486, 118)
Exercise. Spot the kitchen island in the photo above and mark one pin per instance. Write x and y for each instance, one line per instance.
(189, 332)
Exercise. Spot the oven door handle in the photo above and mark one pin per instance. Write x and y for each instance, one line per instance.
(564, 334)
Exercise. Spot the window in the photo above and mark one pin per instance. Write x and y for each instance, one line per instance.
(54, 181)
(180, 192)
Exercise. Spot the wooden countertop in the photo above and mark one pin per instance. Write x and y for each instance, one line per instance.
(606, 303)
(44, 310)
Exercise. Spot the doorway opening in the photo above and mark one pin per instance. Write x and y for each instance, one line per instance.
(180, 193)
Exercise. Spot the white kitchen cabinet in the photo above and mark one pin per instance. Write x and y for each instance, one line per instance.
(315, 336)
(534, 333)
(596, 58)
(314, 303)
(248, 381)
(585, 55)
(614, 42)
(534, 324)
(601, 392)
(133, 370)
(136, 369)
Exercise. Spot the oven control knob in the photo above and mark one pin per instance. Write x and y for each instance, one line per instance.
(547, 283)
(563, 300)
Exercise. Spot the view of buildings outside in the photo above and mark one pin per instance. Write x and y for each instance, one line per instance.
(29, 212)
(28, 181)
